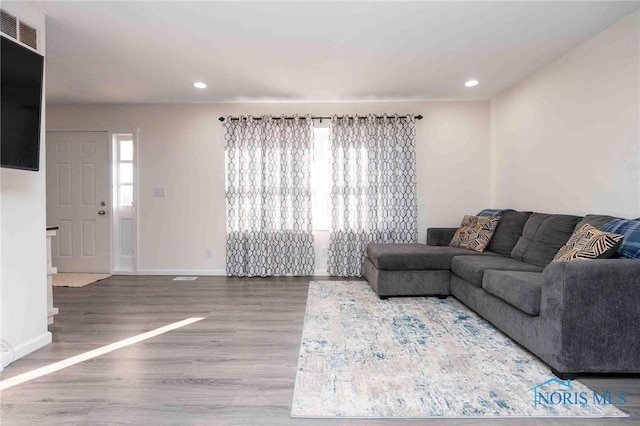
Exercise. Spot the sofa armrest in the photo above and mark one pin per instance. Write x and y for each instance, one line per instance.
(590, 311)
(440, 236)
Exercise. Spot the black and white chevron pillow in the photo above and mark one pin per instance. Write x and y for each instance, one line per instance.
(589, 242)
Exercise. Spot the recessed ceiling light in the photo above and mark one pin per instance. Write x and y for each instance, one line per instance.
(471, 83)
(199, 85)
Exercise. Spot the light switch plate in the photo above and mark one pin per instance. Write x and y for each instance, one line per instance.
(159, 192)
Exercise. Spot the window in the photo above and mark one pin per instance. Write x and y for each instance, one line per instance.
(124, 166)
(125, 172)
(321, 179)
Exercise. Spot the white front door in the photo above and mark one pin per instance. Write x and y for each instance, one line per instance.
(78, 200)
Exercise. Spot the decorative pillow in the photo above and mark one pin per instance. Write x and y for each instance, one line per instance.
(475, 232)
(494, 212)
(588, 242)
(630, 247)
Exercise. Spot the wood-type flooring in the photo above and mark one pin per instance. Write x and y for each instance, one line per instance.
(235, 367)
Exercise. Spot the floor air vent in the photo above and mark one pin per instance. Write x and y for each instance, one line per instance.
(185, 278)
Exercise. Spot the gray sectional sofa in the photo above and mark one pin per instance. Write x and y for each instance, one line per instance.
(577, 316)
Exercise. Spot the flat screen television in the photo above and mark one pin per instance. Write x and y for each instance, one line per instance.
(21, 93)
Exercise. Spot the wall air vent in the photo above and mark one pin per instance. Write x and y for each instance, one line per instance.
(15, 28)
(28, 35)
(8, 24)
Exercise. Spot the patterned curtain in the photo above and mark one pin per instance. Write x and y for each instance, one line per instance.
(373, 195)
(268, 186)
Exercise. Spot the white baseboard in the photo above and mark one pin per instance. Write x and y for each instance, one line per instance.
(26, 348)
(189, 272)
(205, 272)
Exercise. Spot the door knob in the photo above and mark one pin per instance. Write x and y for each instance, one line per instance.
(102, 212)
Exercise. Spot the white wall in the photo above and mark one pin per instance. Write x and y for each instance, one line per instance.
(23, 258)
(567, 139)
(181, 148)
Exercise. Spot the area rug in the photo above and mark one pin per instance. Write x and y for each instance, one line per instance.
(67, 279)
(422, 357)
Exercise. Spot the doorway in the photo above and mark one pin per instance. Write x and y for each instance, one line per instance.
(91, 197)
(78, 200)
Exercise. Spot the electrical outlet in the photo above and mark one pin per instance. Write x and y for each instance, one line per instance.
(207, 253)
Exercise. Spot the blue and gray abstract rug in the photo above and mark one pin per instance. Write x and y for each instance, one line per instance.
(422, 357)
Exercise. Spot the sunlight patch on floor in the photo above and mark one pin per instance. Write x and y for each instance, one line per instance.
(57, 366)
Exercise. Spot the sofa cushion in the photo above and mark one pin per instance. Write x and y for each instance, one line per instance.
(440, 236)
(472, 268)
(494, 212)
(407, 257)
(589, 242)
(630, 247)
(508, 232)
(542, 237)
(475, 232)
(520, 289)
(595, 220)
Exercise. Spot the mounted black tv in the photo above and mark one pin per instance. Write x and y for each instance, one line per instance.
(21, 93)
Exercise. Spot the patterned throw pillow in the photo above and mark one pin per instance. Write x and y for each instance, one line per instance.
(475, 232)
(630, 247)
(588, 242)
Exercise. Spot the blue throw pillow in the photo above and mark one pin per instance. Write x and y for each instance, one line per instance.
(630, 247)
(494, 212)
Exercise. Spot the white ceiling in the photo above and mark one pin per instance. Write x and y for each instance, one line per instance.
(152, 52)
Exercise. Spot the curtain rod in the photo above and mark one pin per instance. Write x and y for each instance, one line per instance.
(418, 117)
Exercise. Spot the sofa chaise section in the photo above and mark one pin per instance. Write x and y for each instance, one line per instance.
(425, 270)
(411, 269)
